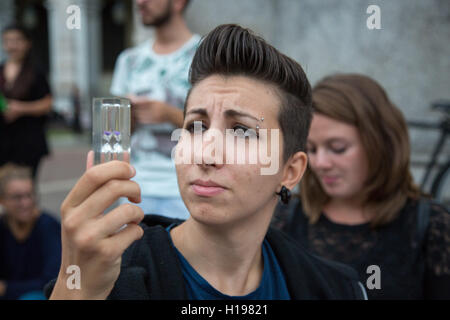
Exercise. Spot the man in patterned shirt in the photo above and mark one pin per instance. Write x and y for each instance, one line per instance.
(154, 76)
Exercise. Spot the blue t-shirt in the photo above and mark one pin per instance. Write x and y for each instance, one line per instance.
(272, 286)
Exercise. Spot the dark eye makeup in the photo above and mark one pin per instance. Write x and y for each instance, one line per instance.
(240, 131)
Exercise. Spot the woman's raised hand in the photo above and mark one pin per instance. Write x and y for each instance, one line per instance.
(92, 241)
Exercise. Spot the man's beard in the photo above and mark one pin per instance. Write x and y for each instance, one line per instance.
(162, 19)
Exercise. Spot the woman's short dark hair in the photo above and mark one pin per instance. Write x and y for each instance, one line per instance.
(231, 50)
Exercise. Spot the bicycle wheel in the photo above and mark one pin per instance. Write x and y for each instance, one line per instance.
(441, 185)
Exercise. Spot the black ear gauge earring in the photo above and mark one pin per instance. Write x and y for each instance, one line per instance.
(285, 195)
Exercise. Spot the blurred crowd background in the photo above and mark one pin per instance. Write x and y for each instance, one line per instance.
(409, 56)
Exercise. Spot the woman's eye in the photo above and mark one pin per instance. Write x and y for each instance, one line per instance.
(196, 127)
(310, 150)
(338, 150)
(244, 132)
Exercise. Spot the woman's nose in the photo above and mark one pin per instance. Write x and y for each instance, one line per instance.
(211, 152)
(321, 160)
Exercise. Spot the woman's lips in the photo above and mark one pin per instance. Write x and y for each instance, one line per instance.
(206, 188)
(329, 180)
(207, 191)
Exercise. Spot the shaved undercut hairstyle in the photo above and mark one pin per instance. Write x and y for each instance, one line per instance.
(231, 50)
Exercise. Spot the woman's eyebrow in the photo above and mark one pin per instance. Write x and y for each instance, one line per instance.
(200, 111)
(230, 113)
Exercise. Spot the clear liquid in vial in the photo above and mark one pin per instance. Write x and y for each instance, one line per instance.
(111, 129)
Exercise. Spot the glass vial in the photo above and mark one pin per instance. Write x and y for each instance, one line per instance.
(110, 129)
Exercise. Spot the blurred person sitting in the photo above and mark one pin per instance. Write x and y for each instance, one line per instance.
(28, 100)
(30, 244)
(358, 203)
(154, 76)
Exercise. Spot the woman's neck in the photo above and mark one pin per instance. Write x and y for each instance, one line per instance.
(229, 258)
(347, 211)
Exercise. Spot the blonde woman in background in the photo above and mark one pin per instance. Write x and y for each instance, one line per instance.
(358, 203)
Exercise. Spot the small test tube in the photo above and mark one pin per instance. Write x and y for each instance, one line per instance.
(110, 129)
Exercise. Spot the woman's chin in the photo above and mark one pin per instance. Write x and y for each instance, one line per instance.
(209, 214)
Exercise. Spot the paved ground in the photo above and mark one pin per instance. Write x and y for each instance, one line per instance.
(60, 171)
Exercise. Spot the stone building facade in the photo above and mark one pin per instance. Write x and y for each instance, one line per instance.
(408, 55)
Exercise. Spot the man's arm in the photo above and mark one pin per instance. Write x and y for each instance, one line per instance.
(153, 111)
(175, 116)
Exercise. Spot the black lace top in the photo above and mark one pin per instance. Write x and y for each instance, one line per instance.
(409, 264)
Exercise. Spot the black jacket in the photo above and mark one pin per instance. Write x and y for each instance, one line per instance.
(151, 269)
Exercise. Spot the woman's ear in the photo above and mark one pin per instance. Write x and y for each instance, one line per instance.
(294, 169)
